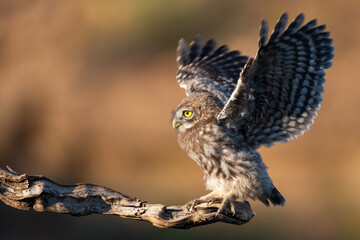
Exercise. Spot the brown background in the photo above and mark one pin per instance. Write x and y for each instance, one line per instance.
(86, 94)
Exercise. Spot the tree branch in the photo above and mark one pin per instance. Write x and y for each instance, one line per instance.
(40, 193)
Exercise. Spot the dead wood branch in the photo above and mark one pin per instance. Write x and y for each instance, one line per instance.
(40, 193)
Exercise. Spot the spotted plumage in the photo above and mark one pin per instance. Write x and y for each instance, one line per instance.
(235, 104)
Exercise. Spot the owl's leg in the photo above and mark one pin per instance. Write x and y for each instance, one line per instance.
(204, 199)
(228, 202)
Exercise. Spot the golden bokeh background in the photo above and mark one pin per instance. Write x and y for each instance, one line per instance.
(86, 94)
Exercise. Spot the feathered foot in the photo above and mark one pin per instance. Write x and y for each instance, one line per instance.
(190, 206)
(227, 206)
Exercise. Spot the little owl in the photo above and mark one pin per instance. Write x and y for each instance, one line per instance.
(235, 104)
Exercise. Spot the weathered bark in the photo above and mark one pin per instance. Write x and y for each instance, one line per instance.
(40, 193)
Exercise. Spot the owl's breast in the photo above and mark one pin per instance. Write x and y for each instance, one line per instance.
(218, 152)
(206, 146)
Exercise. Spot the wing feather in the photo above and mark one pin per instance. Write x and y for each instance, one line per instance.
(279, 92)
(263, 33)
(204, 67)
(279, 28)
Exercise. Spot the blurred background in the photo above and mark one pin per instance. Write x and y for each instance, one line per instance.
(86, 94)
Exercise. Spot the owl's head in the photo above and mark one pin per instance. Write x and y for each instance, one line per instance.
(194, 109)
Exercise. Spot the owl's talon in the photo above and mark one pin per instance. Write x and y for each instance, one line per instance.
(190, 206)
(227, 208)
(232, 209)
(217, 213)
(214, 200)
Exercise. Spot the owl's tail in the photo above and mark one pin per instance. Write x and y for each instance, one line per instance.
(274, 196)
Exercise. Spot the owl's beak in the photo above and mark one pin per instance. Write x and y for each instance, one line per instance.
(175, 124)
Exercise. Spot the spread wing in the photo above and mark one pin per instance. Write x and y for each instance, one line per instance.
(279, 92)
(204, 67)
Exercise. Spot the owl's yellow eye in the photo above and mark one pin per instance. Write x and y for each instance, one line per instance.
(187, 114)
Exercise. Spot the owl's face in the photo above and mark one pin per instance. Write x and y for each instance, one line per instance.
(195, 109)
(185, 117)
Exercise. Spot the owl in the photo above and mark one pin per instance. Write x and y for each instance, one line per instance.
(235, 104)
